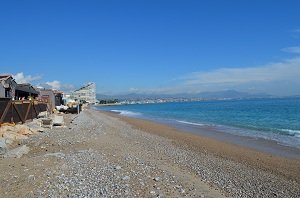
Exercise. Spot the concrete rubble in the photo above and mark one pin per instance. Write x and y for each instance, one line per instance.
(17, 152)
(14, 135)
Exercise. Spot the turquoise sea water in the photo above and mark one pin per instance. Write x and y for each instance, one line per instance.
(274, 119)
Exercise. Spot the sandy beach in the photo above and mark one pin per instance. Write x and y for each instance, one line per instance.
(100, 154)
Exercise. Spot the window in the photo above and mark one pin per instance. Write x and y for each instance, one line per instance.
(7, 93)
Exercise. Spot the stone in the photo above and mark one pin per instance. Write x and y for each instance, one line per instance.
(13, 136)
(156, 179)
(59, 155)
(40, 129)
(17, 152)
(117, 167)
(23, 130)
(3, 146)
(126, 178)
(31, 177)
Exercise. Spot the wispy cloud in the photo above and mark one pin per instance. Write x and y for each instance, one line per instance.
(286, 70)
(295, 49)
(21, 78)
(54, 84)
(281, 78)
(37, 81)
(58, 86)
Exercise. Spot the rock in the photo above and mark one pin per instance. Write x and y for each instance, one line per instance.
(178, 186)
(13, 136)
(23, 130)
(156, 179)
(17, 152)
(59, 155)
(126, 178)
(3, 146)
(117, 167)
(40, 129)
(9, 141)
(6, 128)
(31, 178)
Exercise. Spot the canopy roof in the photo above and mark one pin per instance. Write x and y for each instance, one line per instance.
(27, 88)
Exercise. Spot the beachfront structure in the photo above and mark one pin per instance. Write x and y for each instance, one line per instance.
(7, 86)
(58, 97)
(25, 91)
(10, 89)
(86, 93)
(48, 96)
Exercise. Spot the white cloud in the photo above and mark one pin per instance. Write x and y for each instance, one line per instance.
(295, 49)
(54, 84)
(281, 78)
(58, 86)
(287, 70)
(21, 78)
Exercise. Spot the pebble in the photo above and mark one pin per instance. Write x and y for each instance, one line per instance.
(94, 173)
(126, 178)
(156, 179)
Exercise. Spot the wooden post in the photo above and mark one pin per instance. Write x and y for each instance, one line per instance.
(27, 111)
(18, 112)
(5, 111)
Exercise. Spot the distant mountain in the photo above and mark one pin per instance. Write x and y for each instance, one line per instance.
(232, 94)
(104, 97)
(228, 94)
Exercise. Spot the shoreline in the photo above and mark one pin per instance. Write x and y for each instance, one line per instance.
(259, 144)
(283, 166)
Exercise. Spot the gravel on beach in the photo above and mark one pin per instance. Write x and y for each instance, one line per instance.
(97, 155)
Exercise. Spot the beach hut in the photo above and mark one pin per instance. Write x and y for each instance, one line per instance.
(47, 96)
(7, 86)
(25, 91)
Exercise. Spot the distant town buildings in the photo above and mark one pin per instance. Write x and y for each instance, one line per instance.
(86, 93)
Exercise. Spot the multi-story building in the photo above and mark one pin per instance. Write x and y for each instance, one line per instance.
(86, 93)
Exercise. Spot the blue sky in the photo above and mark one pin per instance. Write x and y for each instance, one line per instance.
(164, 46)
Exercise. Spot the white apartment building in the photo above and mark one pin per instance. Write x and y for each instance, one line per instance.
(86, 93)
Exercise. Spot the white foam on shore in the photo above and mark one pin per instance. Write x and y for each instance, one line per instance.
(126, 113)
(190, 123)
(295, 133)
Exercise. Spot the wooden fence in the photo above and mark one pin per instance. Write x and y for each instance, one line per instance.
(15, 111)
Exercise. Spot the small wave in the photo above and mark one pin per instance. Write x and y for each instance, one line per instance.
(126, 113)
(191, 123)
(291, 132)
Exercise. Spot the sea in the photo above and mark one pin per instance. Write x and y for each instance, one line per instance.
(276, 119)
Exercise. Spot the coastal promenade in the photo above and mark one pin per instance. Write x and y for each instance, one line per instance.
(102, 154)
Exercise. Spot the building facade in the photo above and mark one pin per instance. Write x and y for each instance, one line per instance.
(47, 96)
(86, 93)
(7, 86)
